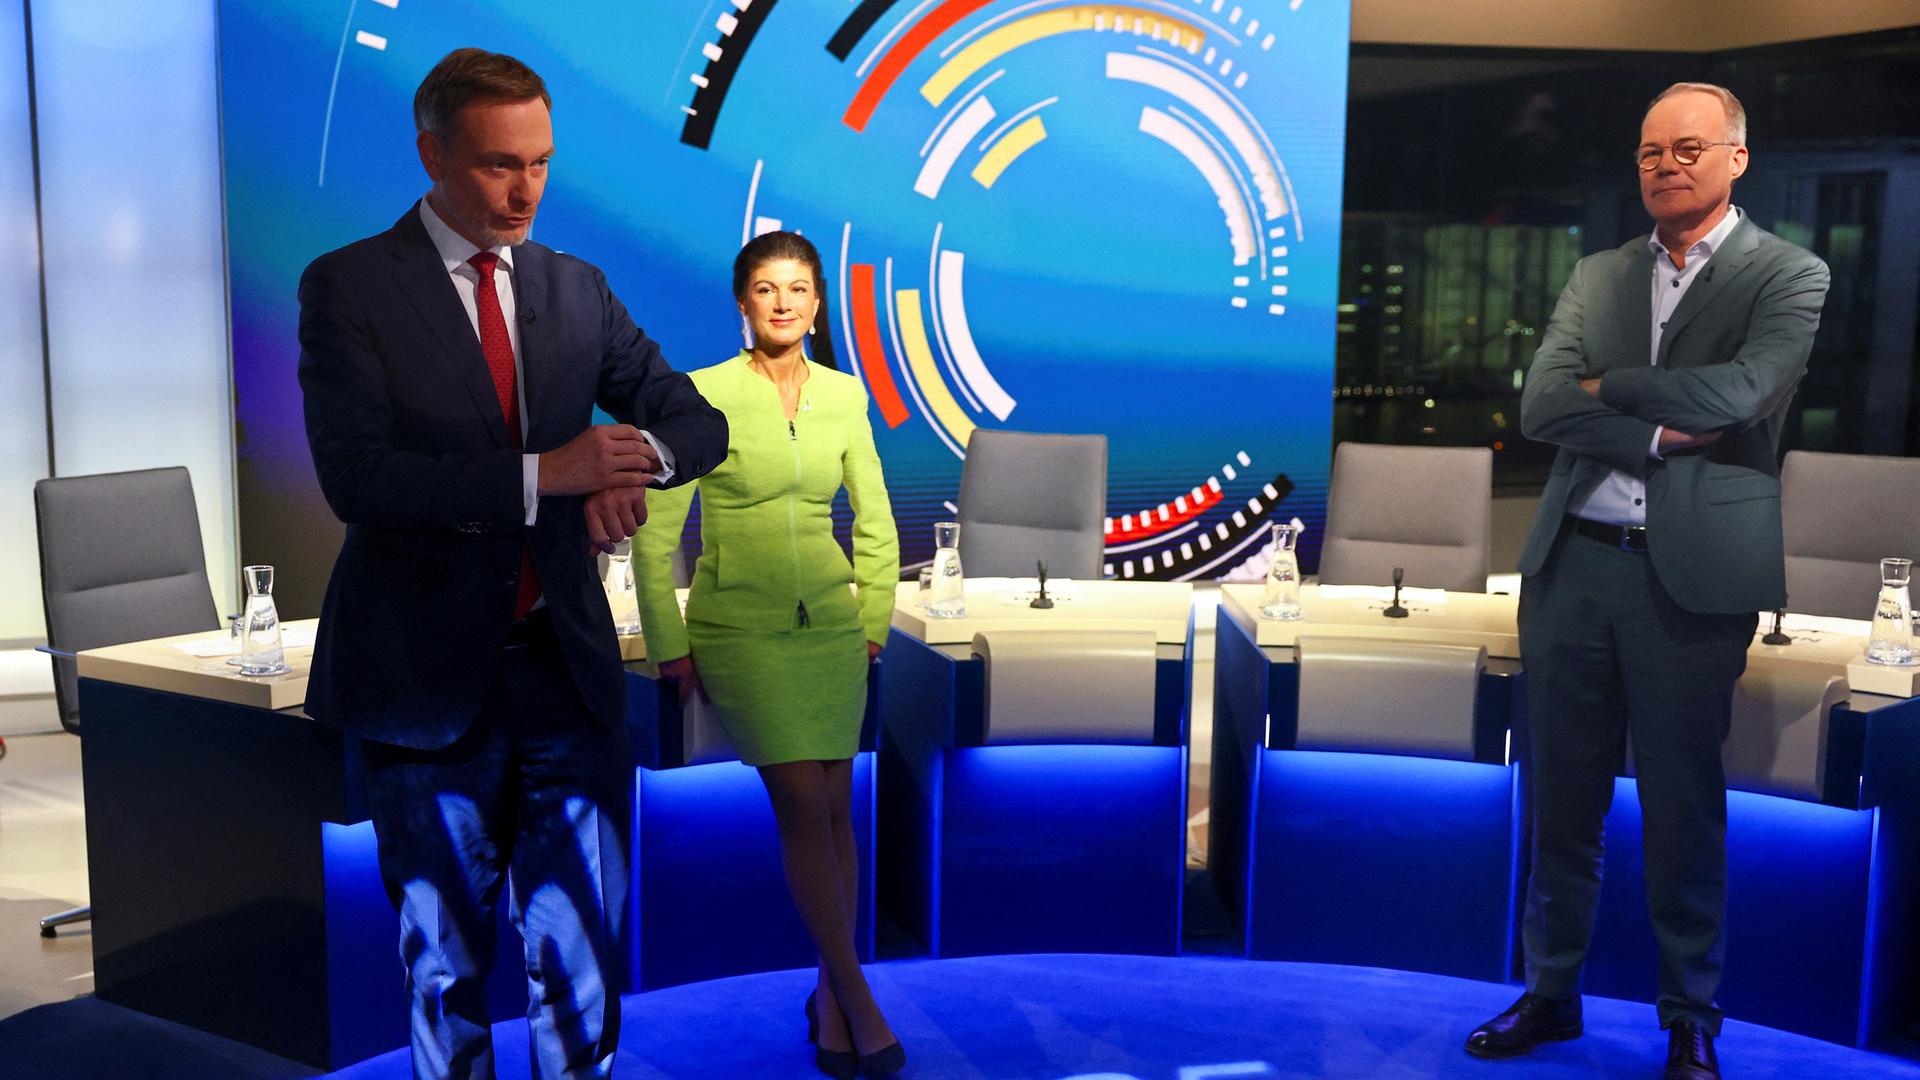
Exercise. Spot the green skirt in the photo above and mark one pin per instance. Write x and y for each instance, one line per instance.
(792, 695)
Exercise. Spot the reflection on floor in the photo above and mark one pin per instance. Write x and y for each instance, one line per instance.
(1018, 1018)
(43, 869)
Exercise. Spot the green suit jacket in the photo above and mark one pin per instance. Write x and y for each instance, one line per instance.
(1730, 357)
(766, 517)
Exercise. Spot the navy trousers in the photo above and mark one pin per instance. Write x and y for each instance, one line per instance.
(1610, 657)
(537, 795)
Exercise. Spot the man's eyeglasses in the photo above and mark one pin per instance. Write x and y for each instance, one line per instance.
(1686, 152)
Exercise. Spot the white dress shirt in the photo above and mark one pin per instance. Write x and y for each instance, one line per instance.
(1620, 499)
(455, 251)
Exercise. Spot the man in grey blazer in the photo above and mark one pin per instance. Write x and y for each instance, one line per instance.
(1664, 378)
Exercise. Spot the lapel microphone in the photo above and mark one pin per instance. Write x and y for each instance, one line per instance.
(1707, 274)
(529, 315)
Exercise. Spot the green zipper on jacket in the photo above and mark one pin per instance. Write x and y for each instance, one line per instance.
(793, 525)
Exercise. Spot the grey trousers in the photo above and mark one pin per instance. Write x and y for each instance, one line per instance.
(1609, 655)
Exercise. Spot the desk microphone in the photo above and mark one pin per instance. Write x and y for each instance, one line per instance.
(1395, 611)
(1042, 601)
(1774, 636)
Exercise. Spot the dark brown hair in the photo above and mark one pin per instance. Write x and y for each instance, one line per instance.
(772, 247)
(465, 76)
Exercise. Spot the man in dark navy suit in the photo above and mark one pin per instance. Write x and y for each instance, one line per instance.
(450, 371)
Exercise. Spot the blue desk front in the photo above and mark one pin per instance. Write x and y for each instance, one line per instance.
(709, 896)
(1353, 858)
(1026, 848)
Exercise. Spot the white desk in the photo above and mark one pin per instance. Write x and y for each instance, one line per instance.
(993, 604)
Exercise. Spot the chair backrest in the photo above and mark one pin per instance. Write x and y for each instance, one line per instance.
(1427, 509)
(1840, 514)
(1068, 686)
(120, 560)
(1360, 695)
(1026, 497)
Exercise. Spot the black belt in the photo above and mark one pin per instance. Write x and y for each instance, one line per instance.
(1624, 537)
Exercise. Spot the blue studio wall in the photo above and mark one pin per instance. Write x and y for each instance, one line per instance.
(1053, 216)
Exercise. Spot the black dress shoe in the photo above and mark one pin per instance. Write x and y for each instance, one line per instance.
(839, 1064)
(883, 1062)
(1526, 1024)
(1690, 1053)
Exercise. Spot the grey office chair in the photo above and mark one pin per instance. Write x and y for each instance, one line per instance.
(1840, 514)
(1427, 509)
(1026, 498)
(120, 560)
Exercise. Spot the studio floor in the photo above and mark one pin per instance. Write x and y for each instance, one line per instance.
(1016, 1018)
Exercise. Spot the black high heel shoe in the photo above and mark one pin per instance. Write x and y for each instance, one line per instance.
(884, 1062)
(839, 1064)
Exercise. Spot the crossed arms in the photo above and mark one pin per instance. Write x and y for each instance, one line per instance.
(1614, 417)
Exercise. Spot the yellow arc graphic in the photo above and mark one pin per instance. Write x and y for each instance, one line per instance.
(1017, 142)
(913, 338)
(1118, 18)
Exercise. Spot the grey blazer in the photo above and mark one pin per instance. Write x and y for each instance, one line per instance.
(1730, 358)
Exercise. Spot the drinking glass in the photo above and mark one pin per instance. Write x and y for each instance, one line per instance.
(260, 651)
(1891, 641)
(1281, 600)
(621, 597)
(947, 592)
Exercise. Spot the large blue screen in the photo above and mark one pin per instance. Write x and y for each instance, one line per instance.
(1039, 216)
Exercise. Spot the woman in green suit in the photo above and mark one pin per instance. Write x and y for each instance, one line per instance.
(779, 627)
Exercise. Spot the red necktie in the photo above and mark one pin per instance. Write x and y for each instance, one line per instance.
(499, 349)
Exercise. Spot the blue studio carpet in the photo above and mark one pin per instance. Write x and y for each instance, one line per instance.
(1013, 1018)
(1155, 1018)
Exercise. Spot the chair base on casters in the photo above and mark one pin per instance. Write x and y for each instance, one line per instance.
(50, 925)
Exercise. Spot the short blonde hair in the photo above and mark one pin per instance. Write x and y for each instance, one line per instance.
(1736, 113)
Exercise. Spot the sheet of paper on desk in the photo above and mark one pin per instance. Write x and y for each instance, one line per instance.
(1823, 623)
(1382, 592)
(291, 637)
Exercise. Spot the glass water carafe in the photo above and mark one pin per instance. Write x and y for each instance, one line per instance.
(1281, 600)
(621, 597)
(1891, 641)
(947, 597)
(260, 650)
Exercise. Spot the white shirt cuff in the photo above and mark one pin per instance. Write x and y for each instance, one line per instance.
(666, 459)
(530, 485)
(530, 475)
(1653, 448)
